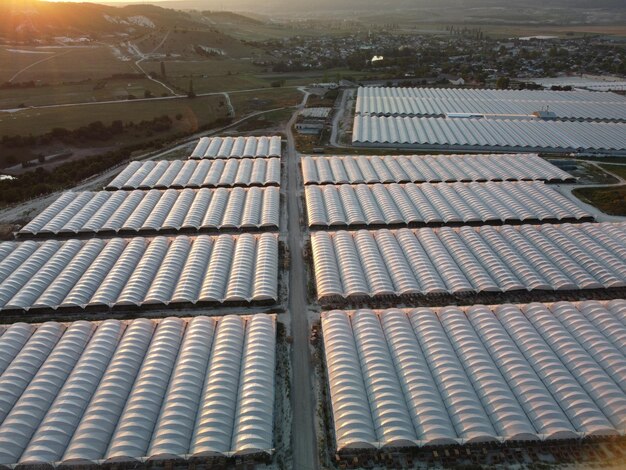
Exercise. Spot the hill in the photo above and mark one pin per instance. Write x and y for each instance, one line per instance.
(31, 19)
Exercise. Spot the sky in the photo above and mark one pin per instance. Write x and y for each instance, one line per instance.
(108, 1)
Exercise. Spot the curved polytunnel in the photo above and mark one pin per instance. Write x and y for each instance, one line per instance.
(12, 341)
(377, 277)
(26, 414)
(389, 410)
(215, 417)
(240, 147)
(58, 289)
(91, 438)
(253, 425)
(350, 266)
(139, 389)
(426, 408)
(580, 104)
(537, 402)
(62, 418)
(580, 408)
(593, 341)
(27, 270)
(243, 260)
(506, 414)
(467, 415)
(607, 319)
(139, 271)
(266, 271)
(20, 371)
(154, 211)
(31, 291)
(531, 134)
(425, 203)
(174, 428)
(352, 414)
(589, 374)
(471, 374)
(465, 259)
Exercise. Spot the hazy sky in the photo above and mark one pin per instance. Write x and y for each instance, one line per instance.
(109, 1)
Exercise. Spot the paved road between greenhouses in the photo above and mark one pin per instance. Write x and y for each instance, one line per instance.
(304, 441)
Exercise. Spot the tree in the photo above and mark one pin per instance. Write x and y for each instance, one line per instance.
(503, 83)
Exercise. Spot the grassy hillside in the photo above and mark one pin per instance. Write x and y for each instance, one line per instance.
(32, 19)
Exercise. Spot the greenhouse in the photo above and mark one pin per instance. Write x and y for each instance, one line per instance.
(437, 204)
(425, 377)
(237, 147)
(134, 391)
(138, 271)
(137, 211)
(179, 174)
(404, 262)
(344, 169)
(510, 135)
(442, 101)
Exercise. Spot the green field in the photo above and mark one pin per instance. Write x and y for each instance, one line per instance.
(619, 170)
(63, 64)
(93, 90)
(264, 100)
(610, 200)
(194, 112)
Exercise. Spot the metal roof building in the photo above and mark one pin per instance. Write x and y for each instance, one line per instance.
(316, 113)
(442, 101)
(437, 204)
(89, 393)
(401, 378)
(508, 135)
(365, 264)
(179, 174)
(138, 271)
(153, 211)
(602, 84)
(237, 147)
(429, 169)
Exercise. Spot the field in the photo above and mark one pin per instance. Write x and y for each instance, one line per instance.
(610, 200)
(498, 31)
(184, 42)
(89, 91)
(195, 113)
(271, 122)
(619, 170)
(263, 100)
(62, 64)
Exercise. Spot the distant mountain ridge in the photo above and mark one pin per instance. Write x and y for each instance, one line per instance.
(368, 5)
(33, 19)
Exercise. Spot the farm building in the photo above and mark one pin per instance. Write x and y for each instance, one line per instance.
(425, 377)
(179, 174)
(138, 271)
(383, 263)
(442, 203)
(131, 212)
(439, 102)
(237, 147)
(480, 134)
(130, 391)
(429, 169)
